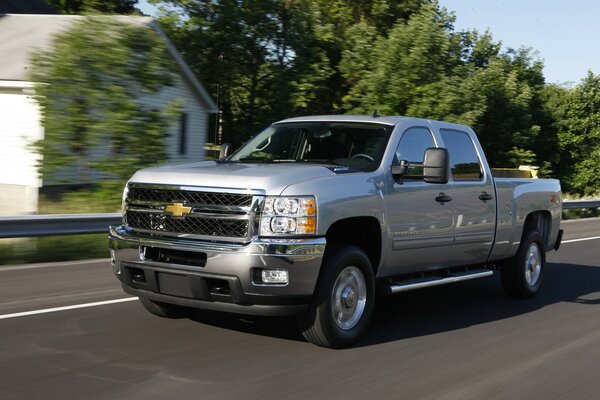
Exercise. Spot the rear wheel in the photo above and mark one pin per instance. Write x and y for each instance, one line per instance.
(343, 301)
(522, 275)
(165, 310)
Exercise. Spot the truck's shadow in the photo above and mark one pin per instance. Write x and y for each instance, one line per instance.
(440, 309)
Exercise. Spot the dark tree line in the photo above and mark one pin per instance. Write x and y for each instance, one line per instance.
(270, 59)
(264, 60)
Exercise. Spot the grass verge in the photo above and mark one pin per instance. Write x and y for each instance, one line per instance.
(53, 248)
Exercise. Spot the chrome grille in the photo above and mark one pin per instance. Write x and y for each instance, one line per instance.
(188, 196)
(212, 215)
(189, 225)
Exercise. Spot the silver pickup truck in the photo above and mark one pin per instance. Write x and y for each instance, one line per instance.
(315, 215)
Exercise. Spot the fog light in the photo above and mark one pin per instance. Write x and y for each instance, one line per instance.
(279, 276)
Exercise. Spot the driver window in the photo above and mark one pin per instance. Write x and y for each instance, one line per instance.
(413, 143)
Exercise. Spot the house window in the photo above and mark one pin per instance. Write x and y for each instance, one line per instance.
(183, 134)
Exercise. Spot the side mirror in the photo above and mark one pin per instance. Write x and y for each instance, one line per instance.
(225, 151)
(436, 165)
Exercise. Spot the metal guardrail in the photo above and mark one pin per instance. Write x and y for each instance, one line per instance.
(56, 224)
(74, 224)
(574, 204)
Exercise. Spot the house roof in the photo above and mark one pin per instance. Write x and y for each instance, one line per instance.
(24, 34)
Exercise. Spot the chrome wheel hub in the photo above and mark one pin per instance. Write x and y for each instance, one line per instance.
(349, 298)
(533, 264)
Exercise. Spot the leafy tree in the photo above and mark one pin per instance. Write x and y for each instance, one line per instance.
(269, 59)
(424, 68)
(578, 119)
(413, 56)
(239, 49)
(94, 6)
(92, 86)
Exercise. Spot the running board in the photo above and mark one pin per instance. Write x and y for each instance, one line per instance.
(396, 287)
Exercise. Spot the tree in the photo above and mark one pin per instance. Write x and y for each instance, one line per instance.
(578, 119)
(270, 59)
(94, 6)
(92, 87)
(239, 49)
(413, 56)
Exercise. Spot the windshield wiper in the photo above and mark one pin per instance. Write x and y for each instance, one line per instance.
(331, 164)
(255, 159)
(321, 161)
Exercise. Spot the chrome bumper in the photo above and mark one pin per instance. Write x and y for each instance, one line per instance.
(232, 265)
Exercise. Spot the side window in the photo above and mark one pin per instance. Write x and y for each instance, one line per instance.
(464, 162)
(413, 144)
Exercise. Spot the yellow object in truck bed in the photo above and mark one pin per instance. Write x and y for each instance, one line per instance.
(524, 171)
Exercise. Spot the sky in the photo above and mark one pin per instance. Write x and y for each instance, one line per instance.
(565, 34)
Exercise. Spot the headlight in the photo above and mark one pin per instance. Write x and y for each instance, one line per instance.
(123, 200)
(289, 215)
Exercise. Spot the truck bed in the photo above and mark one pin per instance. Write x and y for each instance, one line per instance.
(524, 196)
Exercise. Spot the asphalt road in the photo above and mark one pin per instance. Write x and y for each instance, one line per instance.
(464, 341)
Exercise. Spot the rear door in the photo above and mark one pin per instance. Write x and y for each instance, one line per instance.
(473, 199)
(420, 228)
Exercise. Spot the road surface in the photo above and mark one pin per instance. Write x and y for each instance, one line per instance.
(464, 341)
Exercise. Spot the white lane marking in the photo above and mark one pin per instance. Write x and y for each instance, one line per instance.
(65, 308)
(581, 239)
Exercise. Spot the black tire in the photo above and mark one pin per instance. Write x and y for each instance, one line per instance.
(166, 310)
(342, 273)
(522, 275)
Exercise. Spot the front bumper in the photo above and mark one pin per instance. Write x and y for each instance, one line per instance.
(223, 279)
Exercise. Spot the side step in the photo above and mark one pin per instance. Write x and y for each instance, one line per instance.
(404, 286)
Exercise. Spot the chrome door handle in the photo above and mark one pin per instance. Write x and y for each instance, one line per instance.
(485, 196)
(443, 198)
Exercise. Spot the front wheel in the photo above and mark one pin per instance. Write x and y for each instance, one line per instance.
(343, 301)
(522, 275)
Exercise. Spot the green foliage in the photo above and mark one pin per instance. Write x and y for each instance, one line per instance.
(94, 6)
(270, 59)
(103, 197)
(424, 68)
(53, 248)
(92, 88)
(578, 119)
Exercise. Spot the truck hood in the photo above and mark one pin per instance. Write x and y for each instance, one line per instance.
(273, 178)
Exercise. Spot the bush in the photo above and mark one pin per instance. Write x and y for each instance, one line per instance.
(53, 248)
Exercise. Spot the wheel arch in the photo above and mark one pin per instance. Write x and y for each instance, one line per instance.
(541, 221)
(363, 232)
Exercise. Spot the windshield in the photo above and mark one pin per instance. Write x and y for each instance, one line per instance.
(357, 146)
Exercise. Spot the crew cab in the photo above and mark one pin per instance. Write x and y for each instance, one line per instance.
(315, 215)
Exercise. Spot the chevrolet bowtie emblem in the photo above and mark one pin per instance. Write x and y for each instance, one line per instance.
(178, 209)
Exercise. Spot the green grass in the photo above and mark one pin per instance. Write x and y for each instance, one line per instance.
(53, 248)
(103, 198)
(580, 213)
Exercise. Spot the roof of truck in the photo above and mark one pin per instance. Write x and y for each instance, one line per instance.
(353, 118)
(391, 120)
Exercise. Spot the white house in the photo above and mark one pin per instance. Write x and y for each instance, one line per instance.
(20, 36)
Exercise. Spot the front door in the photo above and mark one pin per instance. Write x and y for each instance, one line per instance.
(420, 224)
